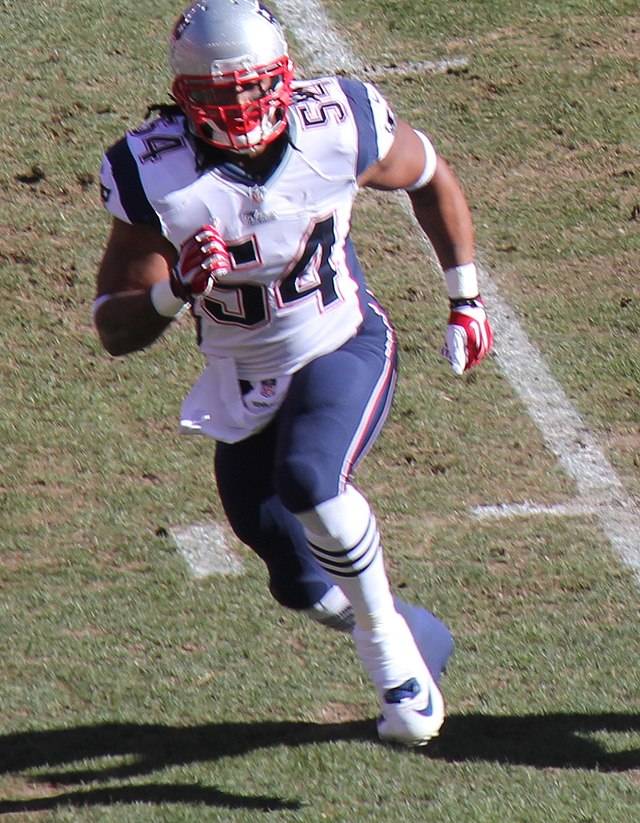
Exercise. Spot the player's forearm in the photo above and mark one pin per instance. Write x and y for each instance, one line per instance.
(127, 321)
(443, 214)
(450, 234)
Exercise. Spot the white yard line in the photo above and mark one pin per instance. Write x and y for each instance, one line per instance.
(325, 51)
(600, 491)
(206, 549)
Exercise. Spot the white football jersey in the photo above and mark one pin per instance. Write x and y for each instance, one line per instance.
(295, 288)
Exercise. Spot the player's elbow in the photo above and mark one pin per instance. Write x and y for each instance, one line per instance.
(117, 338)
(120, 339)
(117, 345)
(126, 323)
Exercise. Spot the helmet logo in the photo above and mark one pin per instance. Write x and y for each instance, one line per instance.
(264, 12)
(186, 18)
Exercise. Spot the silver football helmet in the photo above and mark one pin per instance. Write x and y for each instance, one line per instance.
(232, 73)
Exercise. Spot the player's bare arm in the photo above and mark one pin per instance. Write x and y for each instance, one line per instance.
(441, 209)
(443, 214)
(440, 205)
(402, 165)
(135, 259)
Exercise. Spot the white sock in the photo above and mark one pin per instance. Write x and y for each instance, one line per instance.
(344, 538)
(333, 610)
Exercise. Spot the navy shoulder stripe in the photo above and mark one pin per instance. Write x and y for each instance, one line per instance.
(361, 107)
(127, 179)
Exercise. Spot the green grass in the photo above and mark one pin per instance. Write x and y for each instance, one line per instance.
(130, 691)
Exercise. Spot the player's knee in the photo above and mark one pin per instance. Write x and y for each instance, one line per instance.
(339, 522)
(300, 484)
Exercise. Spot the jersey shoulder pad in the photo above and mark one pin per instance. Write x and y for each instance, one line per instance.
(143, 167)
(375, 119)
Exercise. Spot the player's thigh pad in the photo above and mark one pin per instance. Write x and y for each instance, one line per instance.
(335, 407)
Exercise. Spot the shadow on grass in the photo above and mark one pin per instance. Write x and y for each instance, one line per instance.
(541, 741)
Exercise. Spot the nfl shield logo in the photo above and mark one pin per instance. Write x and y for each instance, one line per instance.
(268, 387)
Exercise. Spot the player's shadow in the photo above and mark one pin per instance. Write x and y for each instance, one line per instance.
(53, 756)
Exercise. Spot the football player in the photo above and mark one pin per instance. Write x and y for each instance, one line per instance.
(235, 204)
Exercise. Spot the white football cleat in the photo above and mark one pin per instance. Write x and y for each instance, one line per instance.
(411, 714)
(433, 638)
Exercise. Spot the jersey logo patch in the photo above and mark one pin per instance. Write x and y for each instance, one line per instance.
(253, 218)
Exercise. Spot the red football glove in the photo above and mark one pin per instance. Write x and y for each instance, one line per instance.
(469, 337)
(203, 260)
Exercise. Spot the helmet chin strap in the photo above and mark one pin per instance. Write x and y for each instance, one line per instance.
(207, 133)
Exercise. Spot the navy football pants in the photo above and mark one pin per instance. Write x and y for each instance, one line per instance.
(333, 412)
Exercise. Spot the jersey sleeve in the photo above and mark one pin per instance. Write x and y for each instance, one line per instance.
(375, 121)
(121, 188)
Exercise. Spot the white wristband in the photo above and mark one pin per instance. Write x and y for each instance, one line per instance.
(462, 281)
(164, 300)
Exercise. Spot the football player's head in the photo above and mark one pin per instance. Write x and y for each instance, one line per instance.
(232, 73)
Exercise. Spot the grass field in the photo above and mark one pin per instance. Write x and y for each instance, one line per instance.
(131, 691)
